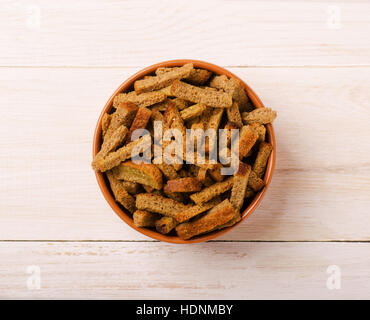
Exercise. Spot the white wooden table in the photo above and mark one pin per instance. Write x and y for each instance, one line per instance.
(59, 63)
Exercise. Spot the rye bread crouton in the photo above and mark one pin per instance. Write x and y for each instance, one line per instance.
(159, 204)
(260, 129)
(162, 80)
(217, 216)
(254, 182)
(247, 139)
(164, 225)
(193, 211)
(140, 121)
(120, 193)
(240, 185)
(123, 116)
(233, 115)
(105, 122)
(259, 166)
(144, 173)
(260, 115)
(131, 187)
(192, 112)
(187, 184)
(141, 100)
(197, 76)
(144, 218)
(210, 192)
(194, 94)
(113, 159)
(234, 88)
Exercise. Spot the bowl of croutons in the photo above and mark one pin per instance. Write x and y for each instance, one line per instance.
(184, 151)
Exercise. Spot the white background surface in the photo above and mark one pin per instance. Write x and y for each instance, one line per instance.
(59, 64)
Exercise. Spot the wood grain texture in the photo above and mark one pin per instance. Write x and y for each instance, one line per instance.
(201, 271)
(232, 33)
(320, 189)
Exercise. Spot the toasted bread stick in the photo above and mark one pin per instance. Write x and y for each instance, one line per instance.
(234, 88)
(141, 100)
(247, 139)
(123, 116)
(260, 115)
(164, 225)
(197, 76)
(162, 80)
(193, 211)
(233, 115)
(263, 154)
(216, 173)
(183, 185)
(146, 174)
(113, 159)
(194, 94)
(131, 187)
(158, 204)
(239, 186)
(230, 126)
(145, 219)
(120, 193)
(217, 216)
(254, 182)
(249, 193)
(105, 122)
(210, 192)
(260, 129)
(168, 171)
(140, 121)
(193, 111)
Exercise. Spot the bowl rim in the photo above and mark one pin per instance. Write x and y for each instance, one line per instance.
(105, 189)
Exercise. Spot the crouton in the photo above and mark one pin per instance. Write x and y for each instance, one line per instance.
(140, 121)
(123, 116)
(218, 215)
(197, 76)
(254, 182)
(210, 192)
(234, 88)
(183, 185)
(168, 171)
(247, 139)
(239, 186)
(159, 204)
(145, 219)
(131, 187)
(260, 115)
(105, 122)
(193, 111)
(233, 115)
(216, 173)
(120, 193)
(113, 159)
(141, 100)
(263, 154)
(194, 94)
(193, 211)
(162, 80)
(164, 225)
(146, 174)
(260, 129)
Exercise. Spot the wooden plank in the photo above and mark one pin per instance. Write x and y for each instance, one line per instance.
(204, 271)
(234, 33)
(320, 190)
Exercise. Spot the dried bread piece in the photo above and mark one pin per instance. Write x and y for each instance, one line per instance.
(141, 100)
(234, 87)
(187, 184)
(249, 193)
(216, 173)
(210, 192)
(260, 115)
(131, 187)
(193, 211)
(213, 123)
(120, 193)
(144, 173)
(159, 204)
(239, 186)
(168, 171)
(197, 76)
(194, 94)
(144, 218)
(181, 104)
(254, 182)
(233, 115)
(192, 112)
(162, 80)
(105, 122)
(230, 126)
(259, 166)
(123, 116)
(247, 139)
(140, 121)
(260, 129)
(113, 159)
(164, 225)
(217, 216)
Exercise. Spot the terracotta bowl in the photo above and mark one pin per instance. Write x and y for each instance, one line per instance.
(104, 185)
